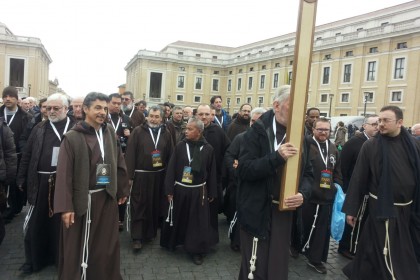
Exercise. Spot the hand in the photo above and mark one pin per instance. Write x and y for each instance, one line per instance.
(287, 150)
(126, 132)
(211, 199)
(294, 200)
(122, 200)
(68, 218)
(351, 220)
(170, 197)
(235, 163)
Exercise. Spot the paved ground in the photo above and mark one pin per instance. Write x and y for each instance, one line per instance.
(153, 262)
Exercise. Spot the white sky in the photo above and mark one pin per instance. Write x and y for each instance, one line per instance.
(91, 41)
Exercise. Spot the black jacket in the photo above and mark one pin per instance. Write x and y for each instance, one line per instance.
(8, 158)
(257, 170)
(18, 126)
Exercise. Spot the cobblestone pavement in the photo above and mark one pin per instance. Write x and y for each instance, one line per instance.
(153, 262)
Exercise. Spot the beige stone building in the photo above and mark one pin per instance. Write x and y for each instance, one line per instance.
(359, 64)
(24, 63)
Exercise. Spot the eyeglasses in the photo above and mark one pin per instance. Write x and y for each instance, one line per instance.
(125, 99)
(54, 108)
(375, 124)
(322, 129)
(385, 120)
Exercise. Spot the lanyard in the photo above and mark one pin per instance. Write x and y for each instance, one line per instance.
(217, 120)
(277, 146)
(132, 110)
(321, 153)
(5, 117)
(367, 137)
(65, 128)
(101, 143)
(153, 138)
(188, 152)
(118, 123)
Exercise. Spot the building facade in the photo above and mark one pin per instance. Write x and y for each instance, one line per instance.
(359, 65)
(24, 63)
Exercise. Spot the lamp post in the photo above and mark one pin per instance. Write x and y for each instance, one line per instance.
(259, 102)
(169, 98)
(228, 103)
(29, 89)
(366, 98)
(331, 98)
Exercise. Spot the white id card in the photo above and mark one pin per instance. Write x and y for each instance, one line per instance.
(54, 157)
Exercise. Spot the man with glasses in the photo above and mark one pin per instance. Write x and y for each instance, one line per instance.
(241, 123)
(130, 110)
(316, 213)
(349, 154)
(37, 169)
(388, 170)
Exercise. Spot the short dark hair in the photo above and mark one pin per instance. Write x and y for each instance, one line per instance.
(240, 109)
(397, 111)
(213, 98)
(93, 96)
(128, 93)
(142, 102)
(157, 108)
(311, 109)
(10, 91)
(114, 95)
(322, 120)
(41, 101)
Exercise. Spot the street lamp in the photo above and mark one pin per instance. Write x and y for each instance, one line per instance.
(259, 102)
(228, 103)
(331, 97)
(366, 98)
(144, 96)
(29, 89)
(169, 98)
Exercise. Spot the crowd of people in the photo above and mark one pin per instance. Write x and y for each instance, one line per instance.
(94, 166)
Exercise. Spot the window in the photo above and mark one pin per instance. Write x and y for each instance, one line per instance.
(238, 101)
(180, 53)
(197, 99)
(373, 50)
(276, 80)
(239, 83)
(179, 97)
(263, 67)
(349, 53)
(228, 101)
(262, 82)
(155, 89)
(289, 78)
(240, 71)
(347, 73)
(291, 62)
(214, 57)
(368, 97)
(215, 85)
(250, 80)
(229, 87)
(17, 72)
(216, 72)
(399, 68)
(402, 45)
(199, 70)
(396, 96)
(181, 68)
(260, 101)
(230, 72)
(371, 73)
(360, 29)
(326, 76)
(197, 55)
(345, 97)
(324, 98)
(277, 65)
(249, 100)
(251, 69)
(198, 82)
(327, 56)
(181, 81)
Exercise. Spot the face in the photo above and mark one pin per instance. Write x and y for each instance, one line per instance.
(25, 104)
(77, 104)
(371, 126)
(97, 112)
(204, 114)
(177, 115)
(312, 117)
(187, 113)
(388, 124)
(43, 110)
(321, 131)
(10, 102)
(126, 100)
(114, 105)
(141, 108)
(218, 103)
(154, 119)
(416, 131)
(254, 118)
(245, 112)
(31, 104)
(56, 111)
(212, 114)
(281, 111)
(167, 111)
(192, 132)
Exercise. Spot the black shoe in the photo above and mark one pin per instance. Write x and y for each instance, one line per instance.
(318, 267)
(293, 252)
(136, 245)
(197, 259)
(26, 268)
(346, 254)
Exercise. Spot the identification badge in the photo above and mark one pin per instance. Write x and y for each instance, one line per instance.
(103, 174)
(325, 182)
(156, 159)
(124, 125)
(187, 176)
(54, 157)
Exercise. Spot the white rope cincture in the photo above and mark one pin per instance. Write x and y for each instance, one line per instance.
(170, 217)
(359, 219)
(306, 246)
(387, 251)
(85, 254)
(128, 210)
(253, 259)
(27, 218)
(232, 224)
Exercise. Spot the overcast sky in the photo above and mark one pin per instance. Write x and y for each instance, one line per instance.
(91, 41)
